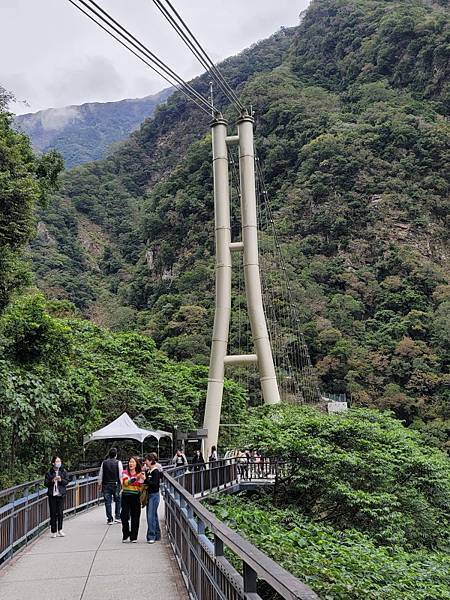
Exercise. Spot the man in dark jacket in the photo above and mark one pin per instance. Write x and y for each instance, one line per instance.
(109, 480)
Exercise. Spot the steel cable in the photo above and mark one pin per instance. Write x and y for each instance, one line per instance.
(158, 65)
(196, 48)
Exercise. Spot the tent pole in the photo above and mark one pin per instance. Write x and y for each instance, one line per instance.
(158, 448)
(142, 449)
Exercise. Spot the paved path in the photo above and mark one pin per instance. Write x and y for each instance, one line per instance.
(91, 563)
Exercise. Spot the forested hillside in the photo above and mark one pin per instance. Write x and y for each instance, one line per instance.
(85, 133)
(352, 128)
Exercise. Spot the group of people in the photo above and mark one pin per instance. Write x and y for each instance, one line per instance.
(246, 460)
(197, 463)
(132, 489)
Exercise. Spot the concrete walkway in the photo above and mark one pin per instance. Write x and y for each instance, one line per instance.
(92, 563)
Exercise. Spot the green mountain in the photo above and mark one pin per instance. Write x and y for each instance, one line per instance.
(352, 128)
(85, 133)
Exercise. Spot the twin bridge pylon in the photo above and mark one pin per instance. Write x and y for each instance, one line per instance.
(248, 247)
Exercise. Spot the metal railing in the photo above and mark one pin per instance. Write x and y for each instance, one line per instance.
(24, 511)
(228, 473)
(205, 547)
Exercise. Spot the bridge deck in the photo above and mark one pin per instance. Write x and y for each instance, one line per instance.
(91, 563)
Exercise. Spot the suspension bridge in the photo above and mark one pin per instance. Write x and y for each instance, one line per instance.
(199, 554)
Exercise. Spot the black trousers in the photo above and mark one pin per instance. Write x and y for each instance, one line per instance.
(131, 508)
(56, 506)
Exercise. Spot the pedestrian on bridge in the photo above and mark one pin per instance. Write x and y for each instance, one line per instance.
(132, 485)
(179, 461)
(109, 480)
(198, 461)
(152, 482)
(56, 480)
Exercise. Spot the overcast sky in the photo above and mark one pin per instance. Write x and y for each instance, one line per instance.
(53, 56)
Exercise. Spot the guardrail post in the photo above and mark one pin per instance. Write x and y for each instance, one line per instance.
(27, 514)
(12, 523)
(218, 546)
(249, 580)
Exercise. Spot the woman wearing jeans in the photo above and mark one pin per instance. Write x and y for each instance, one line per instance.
(152, 482)
(56, 481)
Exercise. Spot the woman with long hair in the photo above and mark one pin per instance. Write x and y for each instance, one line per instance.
(56, 480)
(152, 482)
(132, 484)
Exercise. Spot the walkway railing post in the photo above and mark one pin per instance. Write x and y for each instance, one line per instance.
(249, 580)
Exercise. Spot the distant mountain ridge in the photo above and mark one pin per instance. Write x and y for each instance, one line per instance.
(82, 133)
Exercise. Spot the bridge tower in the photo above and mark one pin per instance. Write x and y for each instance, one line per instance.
(248, 247)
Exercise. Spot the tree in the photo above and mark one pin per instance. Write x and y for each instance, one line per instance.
(25, 181)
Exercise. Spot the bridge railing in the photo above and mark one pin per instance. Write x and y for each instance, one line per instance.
(24, 509)
(207, 550)
(227, 473)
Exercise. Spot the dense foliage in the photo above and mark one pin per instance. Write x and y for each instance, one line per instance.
(85, 133)
(337, 565)
(352, 132)
(359, 470)
(62, 377)
(25, 180)
(363, 510)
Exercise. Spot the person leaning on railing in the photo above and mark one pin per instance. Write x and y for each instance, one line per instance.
(56, 481)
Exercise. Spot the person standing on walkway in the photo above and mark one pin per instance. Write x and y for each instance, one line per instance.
(213, 456)
(152, 482)
(198, 461)
(56, 480)
(109, 480)
(132, 484)
(180, 460)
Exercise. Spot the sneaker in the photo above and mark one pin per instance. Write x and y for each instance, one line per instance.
(117, 521)
(53, 535)
(151, 541)
(134, 541)
(125, 541)
(61, 533)
(109, 522)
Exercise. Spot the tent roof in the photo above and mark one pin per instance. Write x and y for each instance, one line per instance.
(124, 428)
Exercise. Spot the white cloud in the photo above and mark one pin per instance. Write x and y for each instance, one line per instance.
(57, 57)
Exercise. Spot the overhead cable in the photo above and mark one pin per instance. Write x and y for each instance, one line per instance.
(153, 62)
(197, 50)
(144, 50)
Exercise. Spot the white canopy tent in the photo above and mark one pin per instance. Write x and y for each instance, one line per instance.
(124, 428)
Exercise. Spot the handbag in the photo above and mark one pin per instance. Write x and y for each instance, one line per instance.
(143, 497)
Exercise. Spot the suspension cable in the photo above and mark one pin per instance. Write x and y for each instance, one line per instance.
(156, 64)
(309, 378)
(198, 51)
